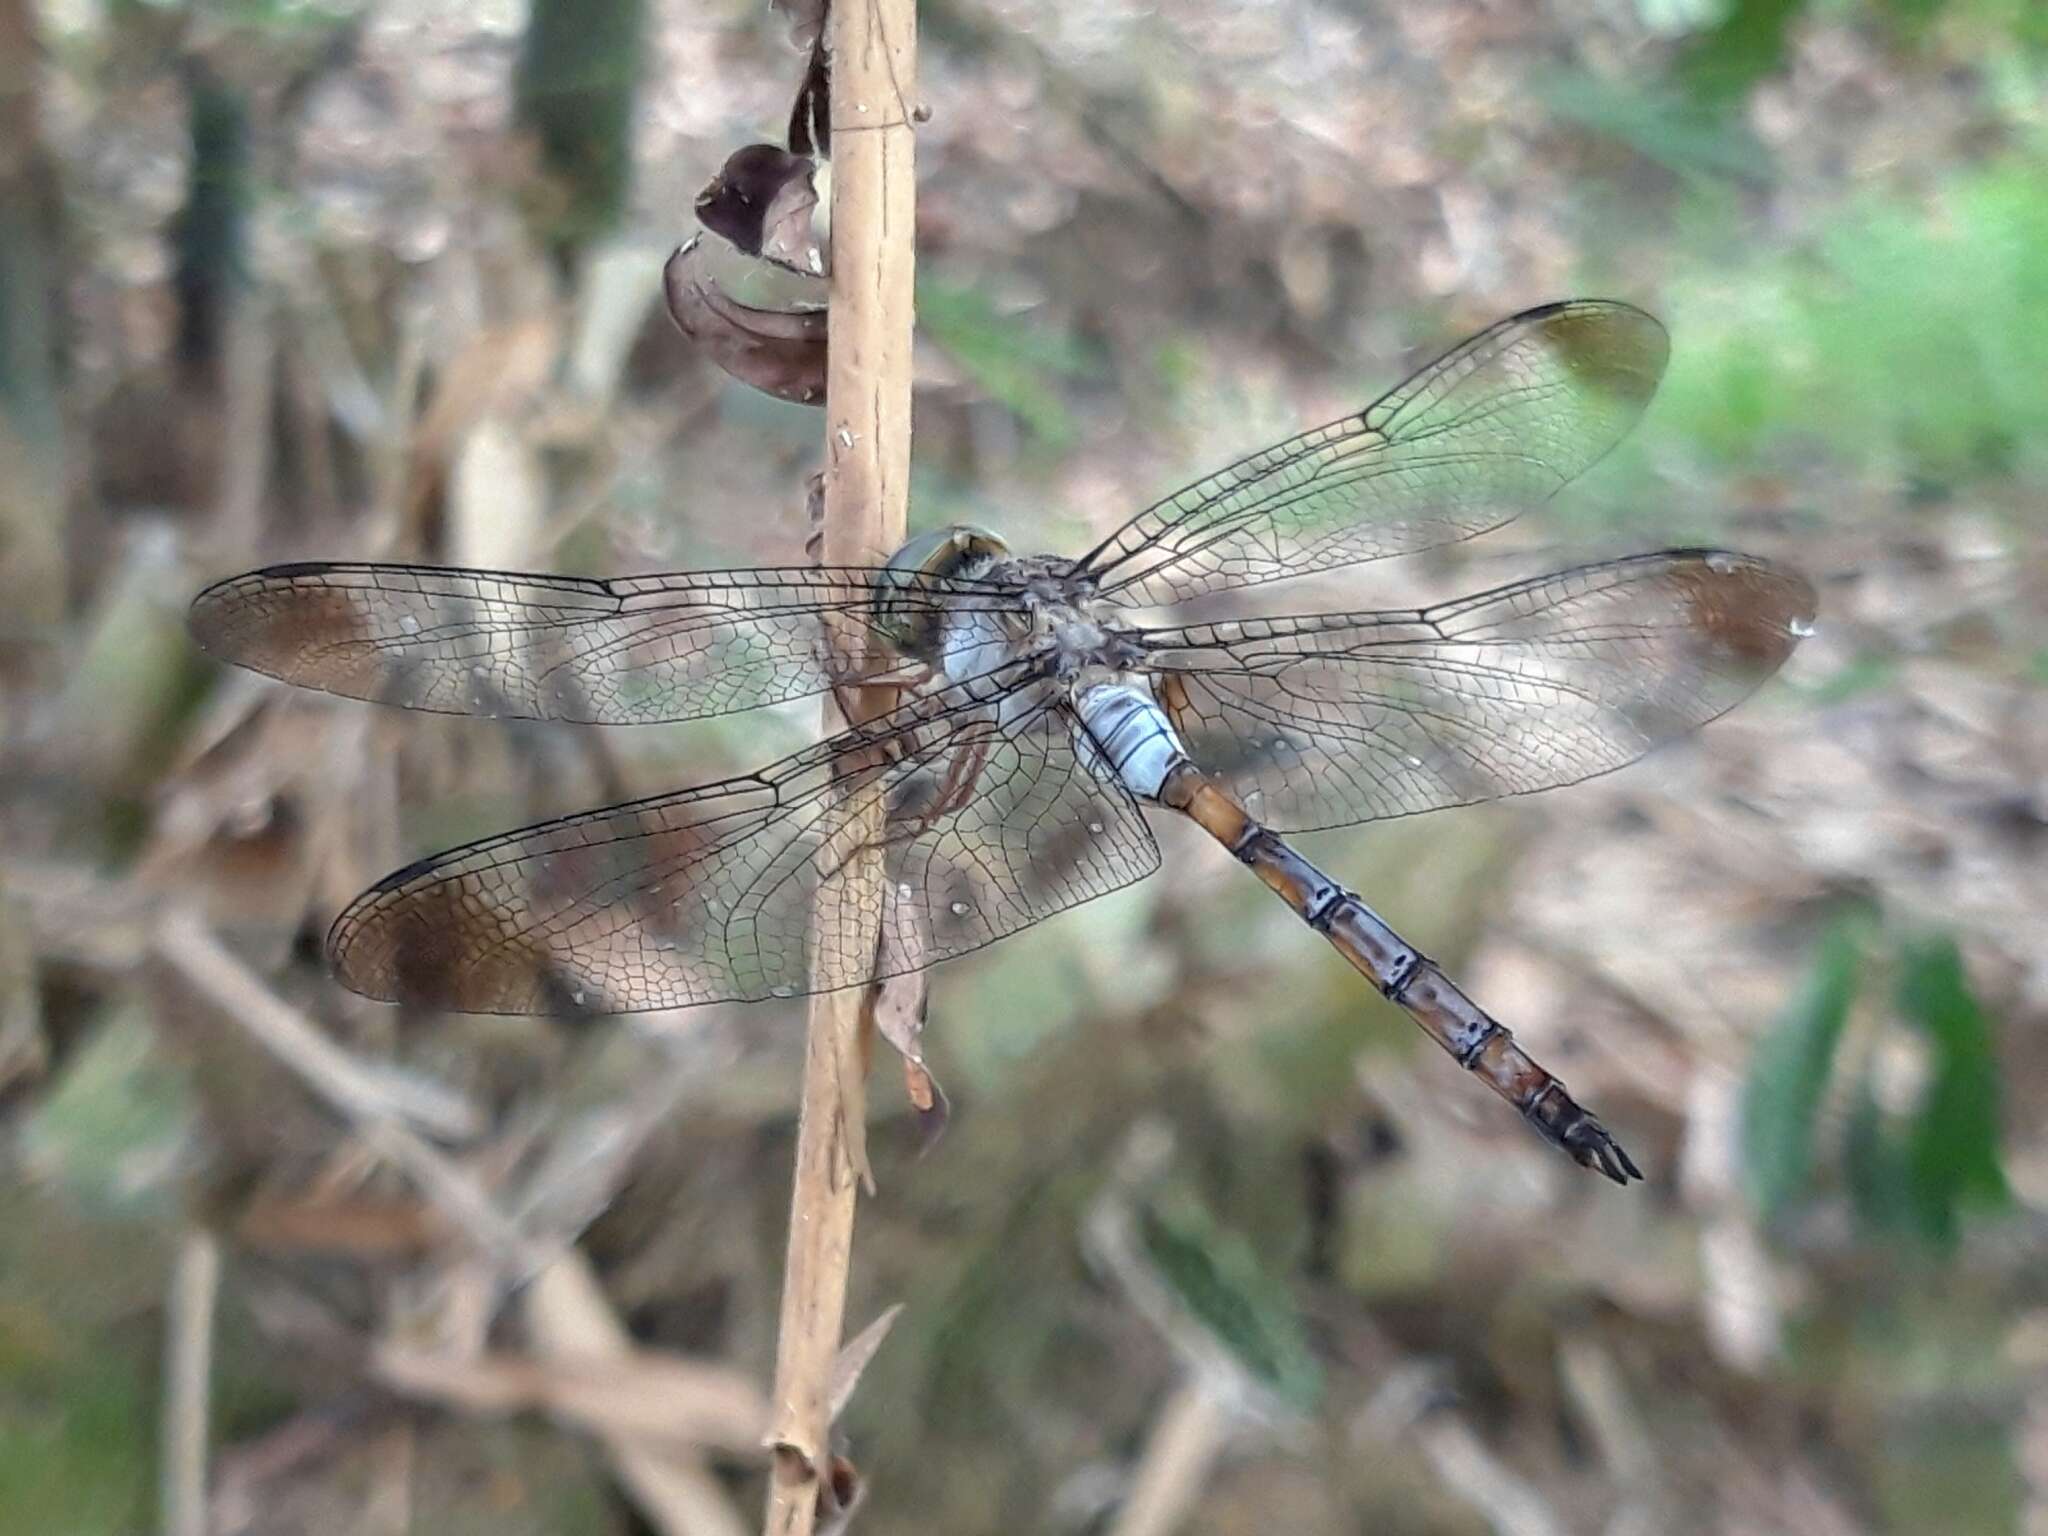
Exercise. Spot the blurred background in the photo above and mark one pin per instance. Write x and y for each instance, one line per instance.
(1216, 1241)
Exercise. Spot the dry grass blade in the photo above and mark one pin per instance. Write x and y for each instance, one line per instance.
(22, 1048)
(659, 1400)
(573, 1325)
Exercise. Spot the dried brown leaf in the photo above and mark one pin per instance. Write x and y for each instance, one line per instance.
(841, 1492)
(777, 346)
(764, 200)
(898, 1009)
(810, 115)
(368, 1228)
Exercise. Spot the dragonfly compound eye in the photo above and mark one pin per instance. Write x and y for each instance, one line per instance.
(911, 588)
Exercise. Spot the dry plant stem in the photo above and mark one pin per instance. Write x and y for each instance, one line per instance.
(867, 422)
(1510, 1505)
(184, 942)
(571, 1320)
(1190, 1430)
(359, 1090)
(188, 1369)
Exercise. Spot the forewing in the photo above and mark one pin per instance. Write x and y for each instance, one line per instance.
(1496, 425)
(713, 894)
(626, 651)
(1333, 719)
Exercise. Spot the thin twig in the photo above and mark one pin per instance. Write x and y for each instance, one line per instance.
(867, 435)
(564, 1306)
(188, 946)
(1192, 1427)
(361, 1091)
(571, 1320)
(188, 1370)
(1408, 1409)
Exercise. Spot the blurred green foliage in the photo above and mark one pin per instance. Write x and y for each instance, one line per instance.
(1013, 360)
(1915, 1169)
(107, 1128)
(1230, 1296)
(1687, 137)
(1951, 1476)
(1746, 44)
(1944, 1161)
(1790, 1068)
(76, 1438)
(1900, 339)
(574, 90)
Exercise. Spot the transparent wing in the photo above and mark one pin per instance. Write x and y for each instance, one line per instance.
(712, 894)
(625, 651)
(1496, 425)
(1332, 719)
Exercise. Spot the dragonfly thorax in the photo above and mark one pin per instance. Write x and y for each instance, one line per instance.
(1073, 638)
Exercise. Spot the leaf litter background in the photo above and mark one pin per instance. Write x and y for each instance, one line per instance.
(286, 281)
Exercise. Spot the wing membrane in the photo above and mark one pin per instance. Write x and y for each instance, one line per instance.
(1496, 425)
(1333, 719)
(711, 894)
(625, 651)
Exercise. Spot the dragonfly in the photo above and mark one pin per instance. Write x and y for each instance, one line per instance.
(1045, 705)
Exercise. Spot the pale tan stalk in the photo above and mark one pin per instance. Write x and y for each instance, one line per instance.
(867, 444)
(188, 1380)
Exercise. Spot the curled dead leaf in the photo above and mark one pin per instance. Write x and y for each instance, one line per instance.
(764, 200)
(841, 1492)
(898, 1007)
(814, 517)
(810, 115)
(758, 321)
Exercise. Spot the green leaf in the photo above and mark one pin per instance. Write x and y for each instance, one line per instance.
(1014, 362)
(1685, 136)
(1874, 1164)
(1789, 1072)
(1952, 1152)
(110, 1128)
(1750, 43)
(1229, 1294)
(1865, 673)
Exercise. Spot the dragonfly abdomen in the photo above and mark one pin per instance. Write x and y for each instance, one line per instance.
(1475, 1039)
(1124, 735)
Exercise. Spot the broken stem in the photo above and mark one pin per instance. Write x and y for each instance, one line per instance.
(867, 425)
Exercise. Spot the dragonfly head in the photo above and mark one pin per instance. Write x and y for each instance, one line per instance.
(905, 610)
